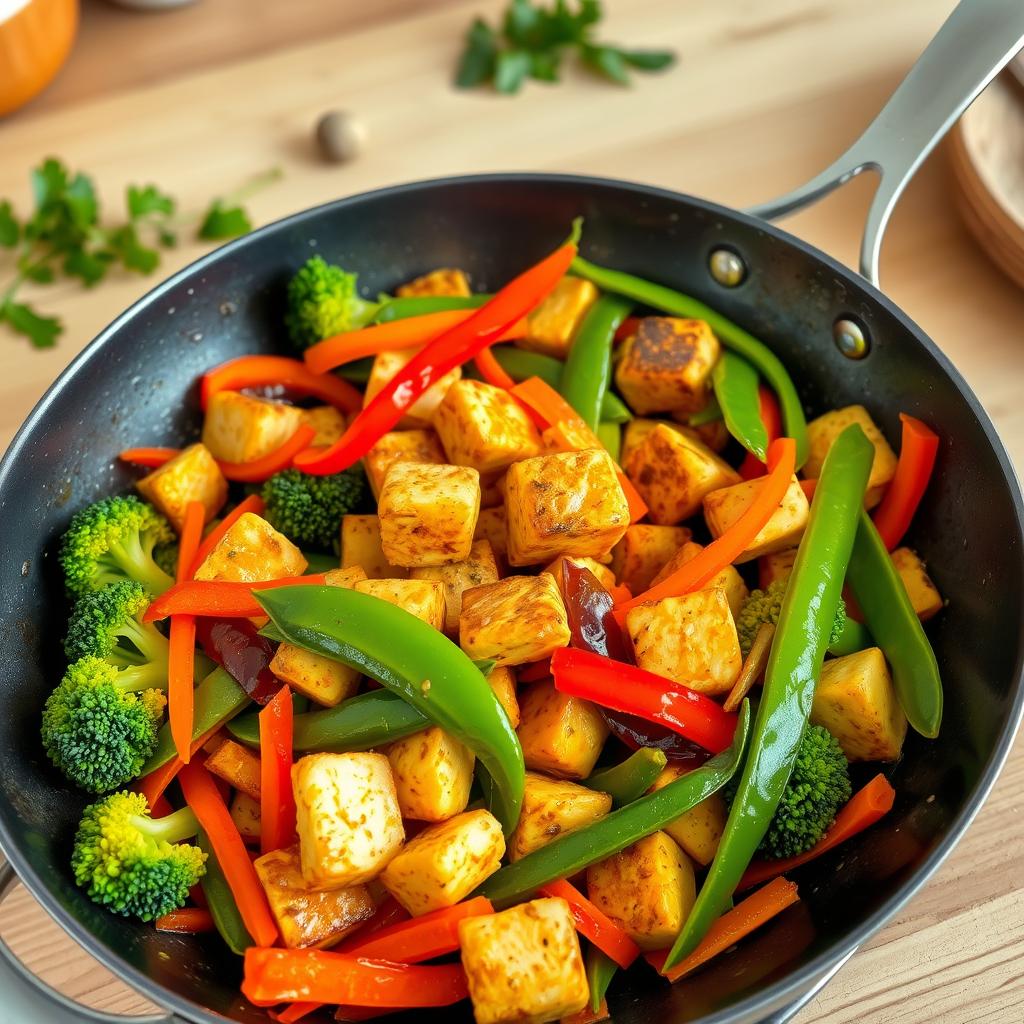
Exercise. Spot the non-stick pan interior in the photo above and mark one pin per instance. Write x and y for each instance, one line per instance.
(137, 387)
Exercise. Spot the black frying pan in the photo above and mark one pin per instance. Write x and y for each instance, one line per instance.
(136, 383)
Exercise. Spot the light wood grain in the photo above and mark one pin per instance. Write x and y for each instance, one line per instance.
(765, 95)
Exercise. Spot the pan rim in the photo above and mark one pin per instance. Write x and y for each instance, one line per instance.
(771, 997)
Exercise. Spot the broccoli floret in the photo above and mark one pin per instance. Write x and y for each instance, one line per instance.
(97, 729)
(166, 556)
(133, 864)
(113, 540)
(308, 509)
(765, 605)
(324, 300)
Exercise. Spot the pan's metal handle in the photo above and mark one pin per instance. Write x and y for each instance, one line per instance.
(972, 47)
(24, 997)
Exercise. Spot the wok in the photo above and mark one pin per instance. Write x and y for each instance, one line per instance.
(136, 383)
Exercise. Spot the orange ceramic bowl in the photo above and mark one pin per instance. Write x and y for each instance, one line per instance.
(35, 39)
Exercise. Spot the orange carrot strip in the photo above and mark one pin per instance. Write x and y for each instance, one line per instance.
(182, 640)
(492, 371)
(151, 457)
(913, 471)
(187, 920)
(277, 802)
(220, 598)
(294, 1012)
(809, 487)
(266, 466)
(588, 1016)
(637, 506)
(254, 504)
(279, 371)
(592, 922)
(547, 403)
(153, 785)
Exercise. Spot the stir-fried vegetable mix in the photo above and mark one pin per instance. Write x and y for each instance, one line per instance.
(553, 643)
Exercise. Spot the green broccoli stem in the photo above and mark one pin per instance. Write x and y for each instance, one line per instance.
(152, 675)
(136, 561)
(172, 828)
(147, 640)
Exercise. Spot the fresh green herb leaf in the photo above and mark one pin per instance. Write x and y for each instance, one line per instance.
(147, 200)
(544, 66)
(10, 229)
(90, 267)
(525, 25)
(478, 58)
(222, 222)
(124, 244)
(512, 68)
(41, 331)
(607, 61)
(648, 60)
(38, 273)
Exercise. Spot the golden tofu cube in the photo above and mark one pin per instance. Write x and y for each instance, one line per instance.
(552, 808)
(252, 551)
(192, 475)
(324, 680)
(783, 530)
(673, 472)
(433, 772)
(484, 427)
(648, 889)
(421, 412)
(503, 682)
(643, 551)
(347, 817)
(419, 446)
(604, 575)
(428, 513)
(361, 548)
(553, 324)
(690, 639)
(443, 281)
(923, 594)
(700, 829)
(513, 621)
(492, 526)
(825, 429)
(560, 735)
(240, 428)
(856, 701)
(479, 568)
(714, 434)
(445, 862)
(346, 579)
(237, 765)
(667, 365)
(776, 566)
(635, 433)
(245, 813)
(308, 917)
(728, 579)
(569, 503)
(422, 598)
(328, 422)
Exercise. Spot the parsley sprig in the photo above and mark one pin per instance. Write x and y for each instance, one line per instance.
(532, 41)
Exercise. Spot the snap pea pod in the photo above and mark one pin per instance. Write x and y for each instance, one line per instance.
(318, 562)
(588, 368)
(601, 969)
(711, 413)
(896, 628)
(853, 638)
(416, 305)
(358, 371)
(520, 364)
(218, 698)
(610, 435)
(565, 856)
(730, 334)
(360, 723)
(735, 383)
(794, 664)
(415, 661)
(221, 901)
(630, 779)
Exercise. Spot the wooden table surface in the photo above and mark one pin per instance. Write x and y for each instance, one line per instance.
(766, 94)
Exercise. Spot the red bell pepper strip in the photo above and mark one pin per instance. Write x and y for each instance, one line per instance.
(202, 795)
(809, 487)
(869, 804)
(277, 802)
(442, 355)
(492, 371)
(182, 640)
(186, 921)
(593, 924)
(258, 470)
(221, 598)
(279, 371)
(295, 1012)
(635, 691)
(627, 327)
(151, 457)
(534, 672)
(726, 549)
(752, 467)
(315, 975)
(253, 504)
(918, 450)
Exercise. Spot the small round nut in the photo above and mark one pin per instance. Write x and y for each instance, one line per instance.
(340, 136)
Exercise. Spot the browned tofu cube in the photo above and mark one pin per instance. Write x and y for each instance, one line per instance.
(192, 475)
(570, 503)
(245, 813)
(728, 579)
(361, 548)
(923, 594)
(503, 682)
(422, 598)
(324, 680)
(421, 412)
(513, 621)
(712, 435)
(783, 530)
(673, 472)
(484, 427)
(443, 281)
(560, 735)
(604, 575)
(240, 428)
(428, 513)
(643, 551)
(307, 918)
(236, 765)
(700, 829)
(553, 808)
(776, 566)
(418, 446)
(252, 551)
(825, 429)
(691, 640)
(492, 526)
(328, 422)
(480, 568)
(667, 365)
(433, 772)
(553, 323)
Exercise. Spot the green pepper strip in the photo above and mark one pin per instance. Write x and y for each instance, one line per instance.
(418, 305)
(730, 334)
(573, 852)
(359, 723)
(853, 638)
(601, 969)
(218, 698)
(610, 435)
(896, 628)
(520, 364)
(632, 778)
(415, 661)
(735, 383)
(588, 368)
(316, 562)
(805, 621)
(223, 908)
(711, 413)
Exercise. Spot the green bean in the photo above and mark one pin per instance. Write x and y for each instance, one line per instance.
(588, 368)
(419, 305)
(735, 382)
(630, 779)
(610, 435)
(711, 413)
(221, 901)
(601, 969)
(853, 638)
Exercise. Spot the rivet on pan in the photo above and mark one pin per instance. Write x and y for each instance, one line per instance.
(851, 339)
(726, 267)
